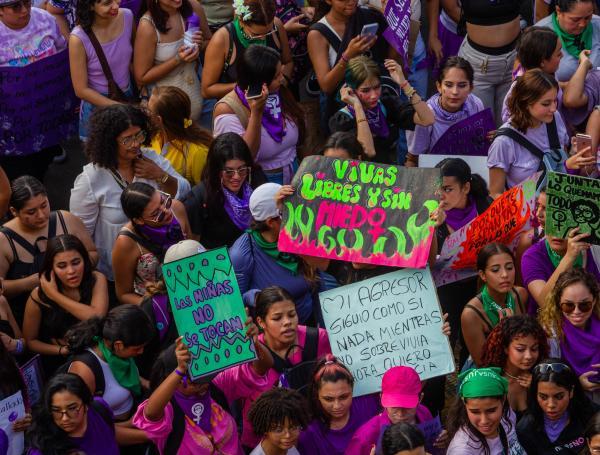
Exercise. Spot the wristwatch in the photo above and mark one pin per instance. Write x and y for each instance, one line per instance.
(163, 179)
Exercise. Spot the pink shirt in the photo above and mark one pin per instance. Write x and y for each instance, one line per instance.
(242, 382)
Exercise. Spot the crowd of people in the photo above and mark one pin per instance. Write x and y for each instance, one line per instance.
(194, 117)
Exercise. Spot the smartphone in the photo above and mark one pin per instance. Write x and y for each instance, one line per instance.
(369, 29)
(584, 141)
(254, 91)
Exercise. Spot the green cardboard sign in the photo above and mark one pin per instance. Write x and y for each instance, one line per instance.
(208, 311)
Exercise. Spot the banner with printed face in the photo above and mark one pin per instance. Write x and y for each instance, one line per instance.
(504, 221)
(361, 212)
(386, 321)
(208, 311)
(467, 137)
(573, 201)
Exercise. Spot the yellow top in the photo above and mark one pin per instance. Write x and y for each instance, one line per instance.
(187, 158)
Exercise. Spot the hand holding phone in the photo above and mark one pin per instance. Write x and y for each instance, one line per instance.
(254, 91)
(369, 29)
(584, 141)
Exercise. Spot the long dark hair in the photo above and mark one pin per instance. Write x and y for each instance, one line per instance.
(12, 379)
(85, 14)
(160, 16)
(24, 188)
(536, 44)
(328, 369)
(459, 169)
(127, 323)
(44, 434)
(400, 437)
(528, 89)
(135, 198)
(458, 63)
(344, 140)
(258, 65)
(592, 429)
(266, 298)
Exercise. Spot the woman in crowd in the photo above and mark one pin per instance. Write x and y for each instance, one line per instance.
(273, 123)
(453, 102)
(254, 22)
(114, 147)
(275, 313)
(156, 222)
(343, 145)
(336, 415)
(70, 420)
(69, 291)
(278, 416)
(571, 317)
(24, 238)
(180, 140)
(377, 120)
(558, 411)
(515, 345)
(578, 29)
(499, 298)
(592, 436)
(102, 27)
(218, 207)
(161, 56)
(12, 382)
(481, 421)
(27, 35)
(197, 407)
(113, 342)
(402, 439)
(546, 260)
(533, 236)
(257, 261)
(295, 18)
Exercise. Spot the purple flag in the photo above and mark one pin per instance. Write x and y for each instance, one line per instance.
(397, 14)
(37, 105)
(467, 137)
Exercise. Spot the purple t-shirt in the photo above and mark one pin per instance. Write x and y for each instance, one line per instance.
(506, 113)
(317, 439)
(515, 160)
(591, 87)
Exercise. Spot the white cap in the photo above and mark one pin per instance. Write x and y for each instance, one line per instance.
(183, 249)
(262, 202)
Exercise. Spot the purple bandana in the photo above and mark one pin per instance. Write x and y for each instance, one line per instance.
(457, 218)
(375, 119)
(580, 346)
(468, 108)
(163, 236)
(198, 409)
(555, 427)
(272, 118)
(238, 208)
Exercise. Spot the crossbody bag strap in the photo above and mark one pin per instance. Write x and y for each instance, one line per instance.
(114, 91)
(552, 131)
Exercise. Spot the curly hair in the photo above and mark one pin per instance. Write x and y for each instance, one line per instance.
(494, 350)
(106, 123)
(274, 406)
(551, 315)
(529, 89)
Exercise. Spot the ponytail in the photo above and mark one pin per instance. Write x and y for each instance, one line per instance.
(81, 336)
(459, 169)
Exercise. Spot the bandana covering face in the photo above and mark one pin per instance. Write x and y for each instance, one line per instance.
(245, 39)
(238, 208)
(457, 218)
(272, 119)
(285, 260)
(163, 236)
(491, 308)
(482, 382)
(375, 119)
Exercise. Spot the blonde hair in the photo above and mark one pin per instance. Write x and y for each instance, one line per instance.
(360, 69)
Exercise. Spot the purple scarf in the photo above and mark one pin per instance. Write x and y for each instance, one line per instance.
(375, 119)
(272, 118)
(163, 236)
(468, 108)
(555, 427)
(457, 218)
(198, 409)
(581, 347)
(238, 208)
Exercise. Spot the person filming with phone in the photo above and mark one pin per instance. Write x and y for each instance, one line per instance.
(264, 113)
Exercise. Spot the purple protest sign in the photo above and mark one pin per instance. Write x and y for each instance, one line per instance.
(37, 105)
(467, 137)
(397, 14)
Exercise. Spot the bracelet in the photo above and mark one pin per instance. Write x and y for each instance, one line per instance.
(409, 92)
(404, 84)
(20, 346)
(163, 179)
(361, 120)
(183, 376)
(344, 58)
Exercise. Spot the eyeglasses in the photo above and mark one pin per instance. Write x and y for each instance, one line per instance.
(71, 412)
(281, 430)
(165, 205)
(253, 36)
(543, 368)
(16, 7)
(138, 138)
(569, 307)
(242, 172)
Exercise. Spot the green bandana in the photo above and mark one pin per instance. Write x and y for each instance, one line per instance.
(124, 370)
(245, 39)
(573, 44)
(482, 382)
(285, 260)
(491, 308)
(555, 258)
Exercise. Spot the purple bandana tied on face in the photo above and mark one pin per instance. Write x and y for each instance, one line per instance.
(375, 119)
(468, 108)
(238, 208)
(457, 218)
(580, 345)
(163, 236)
(198, 409)
(272, 118)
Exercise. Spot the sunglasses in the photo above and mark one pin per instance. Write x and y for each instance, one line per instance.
(569, 307)
(138, 138)
(16, 7)
(242, 172)
(543, 368)
(165, 205)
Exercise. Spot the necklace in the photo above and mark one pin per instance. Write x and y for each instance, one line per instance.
(516, 378)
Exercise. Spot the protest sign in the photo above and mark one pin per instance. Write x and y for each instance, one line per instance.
(32, 376)
(431, 429)
(37, 105)
(11, 409)
(467, 137)
(504, 221)
(397, 15)
(208, 311)
(361, 212)
(386, 321)
(573, 201)
(478, 164)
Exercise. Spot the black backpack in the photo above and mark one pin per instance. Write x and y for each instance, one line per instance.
(92, 362)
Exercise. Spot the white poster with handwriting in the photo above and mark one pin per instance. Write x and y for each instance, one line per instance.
(390, 320)
(11, 409)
